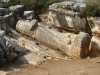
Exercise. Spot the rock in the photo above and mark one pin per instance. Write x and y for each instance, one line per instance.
(3, 25)
(95, 25)
(29, 15)
(1, 55)
(28, 44)
(62, 15)
(26, 27)
(3, 47)
(80, 46)
(3, 1)
(4, 11)
(10, 20)
(95, 43)
(62, 5)
(2, 33)
(52, 38)
(18, 48)
(31, 58)
(7, 22)
(19, 9)
(79, 7)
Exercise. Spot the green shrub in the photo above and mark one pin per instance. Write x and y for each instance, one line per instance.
(91, 10)
(29, 4)
(40, 6)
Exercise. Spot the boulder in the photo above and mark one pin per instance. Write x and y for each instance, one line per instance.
(3, 24)
(66, 22)
(19, 9)
(18, 48)
(2, 33)
(95, 47)
(95, 43)
(4, 11)
(95, 25)
(79, 7)
(10, 20)
(26, 27)
(31, 58)
(63, 15)
(3, 1)
(3, 49)
(29, 15)
(7, 22)
(80, 46)
(63, 5)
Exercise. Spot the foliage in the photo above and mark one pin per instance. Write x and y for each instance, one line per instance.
(38, 5)
(91, 10)
(29, 4)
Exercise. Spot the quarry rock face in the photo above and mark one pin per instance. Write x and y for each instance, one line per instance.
(64, 15)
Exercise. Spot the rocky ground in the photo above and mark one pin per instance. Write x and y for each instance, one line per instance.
(56, 67)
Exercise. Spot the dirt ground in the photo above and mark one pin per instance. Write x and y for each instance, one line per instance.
(57, 67)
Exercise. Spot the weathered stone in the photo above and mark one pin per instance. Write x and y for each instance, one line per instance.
(26, 27)
(18, 48)
(95, 25)
(3, 24)
(63, 5)
(62, 15)
(7, 22)
(4, 11)
(2, 33)
(79, 7)
(59, 40)
(66, 22)
(52, 38)
(80, 46)
(3, 1)
(10, 20)
(95, 43)
(29, 15)
(31, 58)
(19, 9)
(3, 49)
